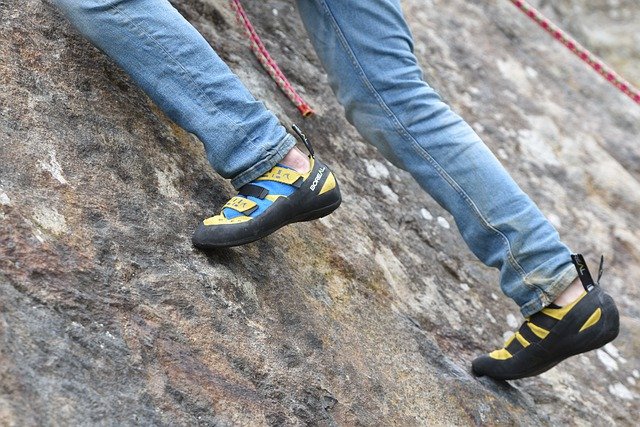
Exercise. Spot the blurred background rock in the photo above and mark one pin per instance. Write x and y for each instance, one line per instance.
(608, 28)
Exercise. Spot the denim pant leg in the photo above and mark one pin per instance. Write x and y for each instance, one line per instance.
(183, 75)
(366, 48)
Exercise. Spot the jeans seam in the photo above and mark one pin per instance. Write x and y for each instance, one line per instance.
(117, 9)
(402, 131)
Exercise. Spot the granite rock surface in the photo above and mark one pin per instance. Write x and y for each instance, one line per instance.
(108, 315)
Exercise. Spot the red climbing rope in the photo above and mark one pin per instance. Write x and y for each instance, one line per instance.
(260, 51)
(588, 57)
(281, 80)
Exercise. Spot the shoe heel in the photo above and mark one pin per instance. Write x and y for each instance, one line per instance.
(606, 332)
(611, 318)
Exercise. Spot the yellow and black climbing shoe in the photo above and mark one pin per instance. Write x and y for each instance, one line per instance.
(555, 333)
(277, 198)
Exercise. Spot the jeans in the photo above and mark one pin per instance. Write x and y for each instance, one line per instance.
(366, 49)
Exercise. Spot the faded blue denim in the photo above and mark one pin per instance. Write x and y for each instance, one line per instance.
(184, 76)
(367, 51)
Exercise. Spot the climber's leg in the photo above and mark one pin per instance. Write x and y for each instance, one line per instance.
(366, 48)
(178, 69)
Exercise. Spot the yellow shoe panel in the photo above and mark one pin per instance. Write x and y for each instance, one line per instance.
(592, 320)
(511, 338)
(312, 162)
(221, 220)
(540, 332)
(559, 313)
(522, 340)
(283, 175)
(501, 354)
(329, 184)
(240, 204)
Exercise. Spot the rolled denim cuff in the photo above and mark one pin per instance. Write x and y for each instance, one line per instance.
(268, 161)
(545, 297)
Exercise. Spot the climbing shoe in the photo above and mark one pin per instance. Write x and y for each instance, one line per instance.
(555, 333)
(279, 197)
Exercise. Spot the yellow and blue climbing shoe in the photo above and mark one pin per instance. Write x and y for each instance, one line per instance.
(279, 197)
(555, 333)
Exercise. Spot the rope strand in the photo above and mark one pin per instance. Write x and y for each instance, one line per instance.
(267, 62)
(581, 52)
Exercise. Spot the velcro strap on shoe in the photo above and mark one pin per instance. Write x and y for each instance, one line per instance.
(542, 320)
(514, 347)
(528, 334)
(253, 191)
(283, 175)
(241, 205)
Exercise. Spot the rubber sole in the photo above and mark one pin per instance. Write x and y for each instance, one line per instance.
(307, 216)
(317, 214)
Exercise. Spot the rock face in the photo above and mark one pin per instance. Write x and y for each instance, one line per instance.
(368, 317)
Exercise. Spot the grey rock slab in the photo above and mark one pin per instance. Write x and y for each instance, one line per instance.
(108, 316)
